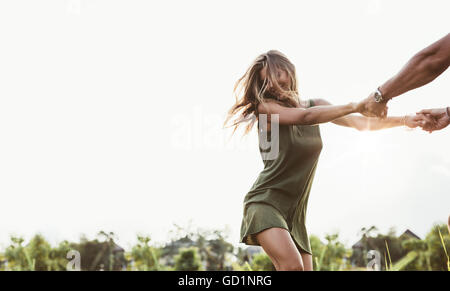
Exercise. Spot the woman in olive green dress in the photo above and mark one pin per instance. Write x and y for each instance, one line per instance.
(274, 212)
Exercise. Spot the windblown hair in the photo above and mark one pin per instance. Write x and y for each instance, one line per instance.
(250, 90)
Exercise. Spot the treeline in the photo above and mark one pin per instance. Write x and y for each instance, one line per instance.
(210, 250)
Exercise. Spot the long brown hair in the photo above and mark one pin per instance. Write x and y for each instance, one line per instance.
(250, 90)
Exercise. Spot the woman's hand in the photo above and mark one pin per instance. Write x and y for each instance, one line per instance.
(413, 121)
(370, 108)
(359, 107)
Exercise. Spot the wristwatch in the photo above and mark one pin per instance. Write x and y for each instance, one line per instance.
(378, 96)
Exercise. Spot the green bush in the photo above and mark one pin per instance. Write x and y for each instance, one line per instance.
(188, 259)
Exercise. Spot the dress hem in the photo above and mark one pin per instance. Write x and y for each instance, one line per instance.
(298, 245)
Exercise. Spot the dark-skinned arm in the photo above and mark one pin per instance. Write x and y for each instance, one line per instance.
(421, 69)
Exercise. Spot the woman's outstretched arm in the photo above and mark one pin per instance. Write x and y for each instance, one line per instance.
(372, 123)
(307, 116)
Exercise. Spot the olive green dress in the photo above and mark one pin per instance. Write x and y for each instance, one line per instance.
(279, 196)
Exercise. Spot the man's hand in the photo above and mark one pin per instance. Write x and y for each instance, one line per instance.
(440, 116)
(372, 108)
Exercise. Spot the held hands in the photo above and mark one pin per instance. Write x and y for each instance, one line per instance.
(437, 118)
(371, 108)
(428, 119)
(422, 120)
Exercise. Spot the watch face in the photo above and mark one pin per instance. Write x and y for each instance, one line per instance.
(377, 97)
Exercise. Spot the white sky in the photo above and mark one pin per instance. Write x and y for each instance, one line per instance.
(111, 114)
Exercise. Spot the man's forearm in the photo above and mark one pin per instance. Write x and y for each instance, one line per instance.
(421, 69)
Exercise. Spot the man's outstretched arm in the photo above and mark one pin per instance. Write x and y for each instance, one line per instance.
(421, 69)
